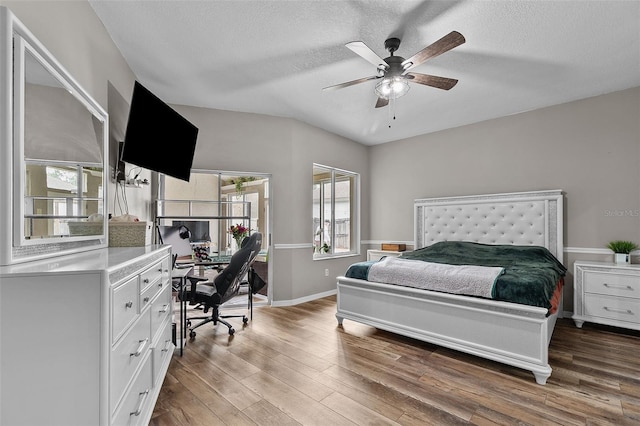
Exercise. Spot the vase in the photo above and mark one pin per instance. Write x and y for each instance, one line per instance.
(622, 258)
(238, 242)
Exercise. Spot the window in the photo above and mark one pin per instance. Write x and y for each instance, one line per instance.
(335, 212)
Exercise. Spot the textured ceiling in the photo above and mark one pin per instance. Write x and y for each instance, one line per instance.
(274, 57)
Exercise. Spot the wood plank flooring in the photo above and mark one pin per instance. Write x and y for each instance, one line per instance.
(295, 365)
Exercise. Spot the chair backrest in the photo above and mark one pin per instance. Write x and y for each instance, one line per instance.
(227, 282)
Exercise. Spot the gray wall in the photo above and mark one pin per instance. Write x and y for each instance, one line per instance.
(75, 36)
(227, 141)
(589, 148)
(286, 149)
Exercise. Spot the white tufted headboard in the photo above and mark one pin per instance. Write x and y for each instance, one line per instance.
(520, 218)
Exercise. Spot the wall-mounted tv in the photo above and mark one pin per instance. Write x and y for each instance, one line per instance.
(157, 137)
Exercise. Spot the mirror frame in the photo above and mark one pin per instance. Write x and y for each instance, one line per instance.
(16, 41)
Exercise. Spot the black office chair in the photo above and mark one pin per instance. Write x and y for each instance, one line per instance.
(225, 286)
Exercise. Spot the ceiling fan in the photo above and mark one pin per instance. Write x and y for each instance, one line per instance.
(394, 72)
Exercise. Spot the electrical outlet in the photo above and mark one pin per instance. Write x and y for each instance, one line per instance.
(326, 272)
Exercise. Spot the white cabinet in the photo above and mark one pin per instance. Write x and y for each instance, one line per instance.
(379, 254)
(607, 293)
(85, 338)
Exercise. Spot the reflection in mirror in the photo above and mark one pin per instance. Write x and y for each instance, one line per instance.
(62, 200)
(57, 126)
(63, 155)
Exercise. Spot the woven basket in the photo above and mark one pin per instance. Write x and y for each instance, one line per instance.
(129, 234)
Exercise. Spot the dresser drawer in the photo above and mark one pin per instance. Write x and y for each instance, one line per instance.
(162, 350)
(152, 274)
(612, 284)
(615, 308)
(137, 401)
(125, 307)
(160, 310)
(127, 355)
(147, 295)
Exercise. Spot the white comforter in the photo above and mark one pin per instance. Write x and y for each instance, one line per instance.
(458, 279)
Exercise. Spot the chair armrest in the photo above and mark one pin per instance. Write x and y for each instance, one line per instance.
(194, 282)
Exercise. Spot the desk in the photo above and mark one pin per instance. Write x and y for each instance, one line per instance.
(201, 264)
(181, 274)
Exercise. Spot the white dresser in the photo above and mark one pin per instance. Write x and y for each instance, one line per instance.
(85, 339)
(606, 293)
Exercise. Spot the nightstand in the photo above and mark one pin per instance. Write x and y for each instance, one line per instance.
(606, 293)
(378, 254)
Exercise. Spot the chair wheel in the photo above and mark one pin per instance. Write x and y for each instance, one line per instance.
(192, 334)
(231, 331)
(245, 320)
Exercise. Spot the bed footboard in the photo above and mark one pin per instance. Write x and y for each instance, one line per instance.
(508, 333)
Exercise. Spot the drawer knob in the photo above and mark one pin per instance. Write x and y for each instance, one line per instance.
(129, 304)
(164, 308)
(146, 281)
(167, 343)
(140, 404)
(141, 346)
(146, 299)
(160, 284)
(623, 287)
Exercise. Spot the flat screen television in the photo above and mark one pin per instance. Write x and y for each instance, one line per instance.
(199, 229)
(157, 137)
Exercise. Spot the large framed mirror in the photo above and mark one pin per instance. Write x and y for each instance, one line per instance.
(59, 150)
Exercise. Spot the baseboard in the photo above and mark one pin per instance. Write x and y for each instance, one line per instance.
(293, 302)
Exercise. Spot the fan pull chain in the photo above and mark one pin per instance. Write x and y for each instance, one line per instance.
(392, 109)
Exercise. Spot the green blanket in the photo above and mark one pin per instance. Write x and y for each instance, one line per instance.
(531, 272)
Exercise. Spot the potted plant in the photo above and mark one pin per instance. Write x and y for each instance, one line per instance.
(239, 183)
(621, 250)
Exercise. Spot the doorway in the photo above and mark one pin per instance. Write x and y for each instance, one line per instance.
(211, 203)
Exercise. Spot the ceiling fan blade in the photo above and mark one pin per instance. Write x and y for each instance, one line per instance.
(350, 83)
(361, 49)
(443, 83)
(382, 102)
(446, 43)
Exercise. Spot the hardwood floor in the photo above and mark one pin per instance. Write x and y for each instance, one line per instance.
(295, 365)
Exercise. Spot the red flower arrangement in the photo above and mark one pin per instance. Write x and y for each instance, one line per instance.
(238, 232)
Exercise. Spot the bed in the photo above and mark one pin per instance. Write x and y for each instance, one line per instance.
(502, 331)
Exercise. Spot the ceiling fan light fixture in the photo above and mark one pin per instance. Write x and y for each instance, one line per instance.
(392, 87)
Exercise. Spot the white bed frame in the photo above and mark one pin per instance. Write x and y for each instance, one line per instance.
(509, 333)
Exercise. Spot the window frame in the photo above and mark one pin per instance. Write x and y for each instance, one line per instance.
(337, 175)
